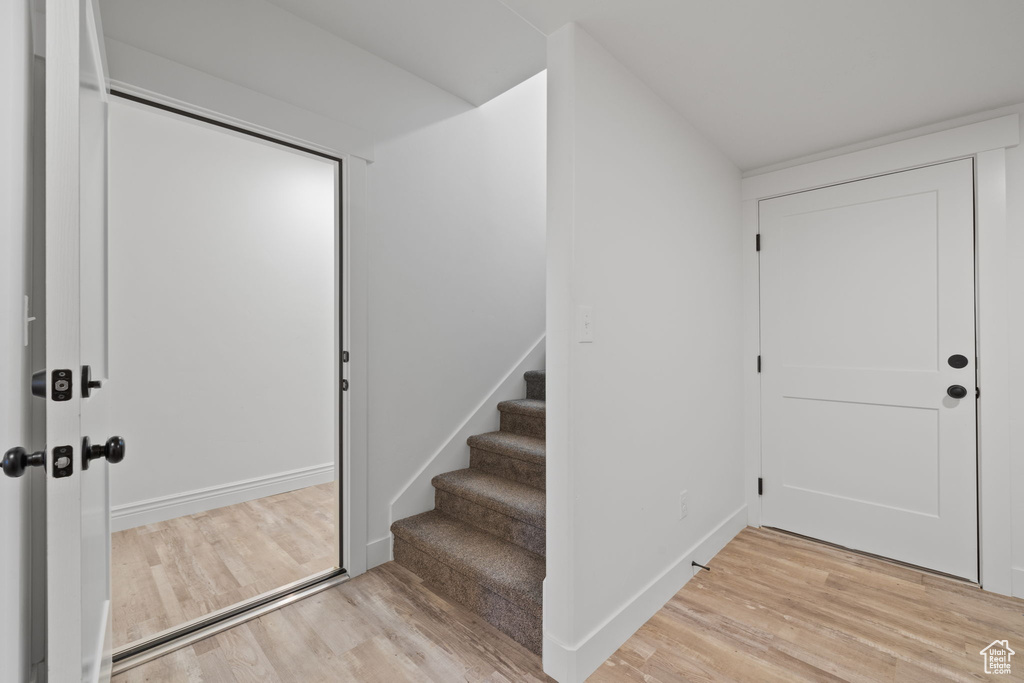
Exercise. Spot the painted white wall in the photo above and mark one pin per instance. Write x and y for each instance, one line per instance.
(15, 241)
(432, 40)
(457, 214)
(1015, 255)
(222, 315)
(153, 77)
(644, 228)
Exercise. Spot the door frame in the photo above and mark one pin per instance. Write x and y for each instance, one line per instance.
(985, 142)
(181, 635)
(272, 118)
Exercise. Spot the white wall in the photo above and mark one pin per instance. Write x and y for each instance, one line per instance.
(1015, 255)
(15, 240)
(457, 214)
(150, 76)
(643, 227)
(222, 252)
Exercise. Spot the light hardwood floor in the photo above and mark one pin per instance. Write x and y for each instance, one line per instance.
(171, 572)
(774, 608)
(382, 627)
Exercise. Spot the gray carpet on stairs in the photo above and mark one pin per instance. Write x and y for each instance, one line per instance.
(483, 544)
(524, 416)
(536, 384)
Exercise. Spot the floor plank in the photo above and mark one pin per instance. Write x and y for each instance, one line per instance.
(171, 572)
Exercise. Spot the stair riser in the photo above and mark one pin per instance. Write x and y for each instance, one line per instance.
(522, 626)
(536, 389)
(527, 425)
(503, 466)
(493, 522)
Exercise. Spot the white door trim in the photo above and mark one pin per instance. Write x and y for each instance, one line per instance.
(986, 143)
(923, 150)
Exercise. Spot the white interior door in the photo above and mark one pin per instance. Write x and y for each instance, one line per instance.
(77, 499)
(867, 297)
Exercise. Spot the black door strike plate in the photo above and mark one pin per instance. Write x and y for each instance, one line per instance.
(63, 461)
(61, 385)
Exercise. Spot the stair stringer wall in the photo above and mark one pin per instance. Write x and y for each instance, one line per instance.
(418, 494)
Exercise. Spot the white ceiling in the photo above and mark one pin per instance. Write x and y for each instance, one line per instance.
(772, 81)
(475, 49)
(766, 81)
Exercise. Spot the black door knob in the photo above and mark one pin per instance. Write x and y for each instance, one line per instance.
(956, 391)
(112, 450)
(17, 459)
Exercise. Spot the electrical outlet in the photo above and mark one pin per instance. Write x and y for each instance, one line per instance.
(683, 499)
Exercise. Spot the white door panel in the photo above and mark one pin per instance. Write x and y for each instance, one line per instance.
(77, 500)
(867, 289)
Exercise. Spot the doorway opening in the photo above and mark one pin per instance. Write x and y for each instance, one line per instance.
(227, 321)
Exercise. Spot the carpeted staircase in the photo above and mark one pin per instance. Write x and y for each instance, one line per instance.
(483, 543)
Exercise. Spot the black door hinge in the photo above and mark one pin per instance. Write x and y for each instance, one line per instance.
(344, 356)
(757, 242)
(977, 392)
(759, 363)
(760, 486)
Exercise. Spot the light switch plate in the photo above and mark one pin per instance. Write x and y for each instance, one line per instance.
(584, 324)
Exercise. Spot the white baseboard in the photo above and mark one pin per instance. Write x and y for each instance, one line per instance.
(200, 500)
(1018, 583)
(568, 664)
(378, 552)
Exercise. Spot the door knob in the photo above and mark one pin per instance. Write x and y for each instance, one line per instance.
(17, 459)
(956, 391)
(113, 451)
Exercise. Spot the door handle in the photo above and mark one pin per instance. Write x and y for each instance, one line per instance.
(956, 391)
(88, 383)
(17, 459)
(112, 450)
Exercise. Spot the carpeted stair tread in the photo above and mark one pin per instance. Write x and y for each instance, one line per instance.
(529, 407)
(535, 375)
(527, 448)
(502, 495)
(512, 572)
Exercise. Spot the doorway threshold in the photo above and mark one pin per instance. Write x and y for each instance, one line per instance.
(165, 642)
(881, 558)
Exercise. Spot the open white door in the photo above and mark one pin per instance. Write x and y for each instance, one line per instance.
(77, 501)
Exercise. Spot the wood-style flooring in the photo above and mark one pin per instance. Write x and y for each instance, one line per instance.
(382, 627)
(774, 608)
(168, 573)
